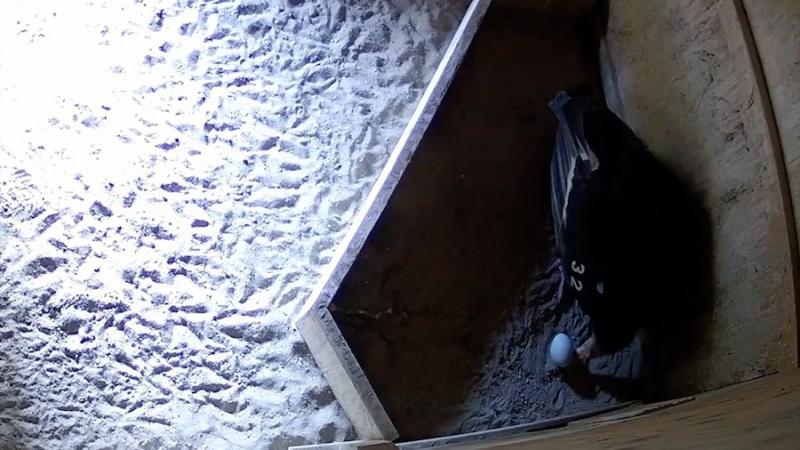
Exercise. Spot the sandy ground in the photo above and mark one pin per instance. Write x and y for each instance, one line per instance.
(173, 177)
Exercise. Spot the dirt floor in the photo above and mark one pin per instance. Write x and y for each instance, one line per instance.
(452, 302)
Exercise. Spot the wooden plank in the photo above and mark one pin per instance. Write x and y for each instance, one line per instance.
(793, 171)
(328, 347)
(349, 445)
(757, 414)
(491, 435)
(681, 74)
(632, 412)
(398, 160)
(347, 380)
(738, 29)
(775, 27)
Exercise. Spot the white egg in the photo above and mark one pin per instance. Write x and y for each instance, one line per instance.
(561, 350)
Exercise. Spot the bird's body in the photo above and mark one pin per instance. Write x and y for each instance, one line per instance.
(608, 197)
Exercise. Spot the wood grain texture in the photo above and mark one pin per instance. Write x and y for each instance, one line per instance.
(348, 445)
(763, 413)
(347, 380)
(681, 75)
(775, 28)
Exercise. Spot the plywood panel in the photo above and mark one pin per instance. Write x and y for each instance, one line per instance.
(776, 31)
(759, 414)
(330, 351)
(681, 75)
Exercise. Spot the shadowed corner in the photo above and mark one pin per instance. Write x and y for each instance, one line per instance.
(675, 279)
(683, 293)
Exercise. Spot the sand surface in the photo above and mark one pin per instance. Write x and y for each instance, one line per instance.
(173, 177)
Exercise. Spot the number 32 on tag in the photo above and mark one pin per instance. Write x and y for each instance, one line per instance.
(574, 282)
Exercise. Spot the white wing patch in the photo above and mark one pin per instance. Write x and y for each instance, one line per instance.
(585, 155)
(570, 175)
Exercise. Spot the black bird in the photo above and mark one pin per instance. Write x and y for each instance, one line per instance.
(613, 205)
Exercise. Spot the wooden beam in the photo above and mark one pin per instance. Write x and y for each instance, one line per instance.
(349, 445)
(328, 347)
(347, 380)
(764, 413)
(398, 160)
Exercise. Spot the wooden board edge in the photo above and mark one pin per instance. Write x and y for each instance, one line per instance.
(348, 445)
(390, 175)
(513, 430)
(345, 376)
(791, 304)
(314, 322)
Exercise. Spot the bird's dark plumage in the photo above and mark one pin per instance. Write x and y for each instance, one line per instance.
(609, 198)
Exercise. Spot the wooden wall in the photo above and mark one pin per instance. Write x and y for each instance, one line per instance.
(776, 31)
(686, 77)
